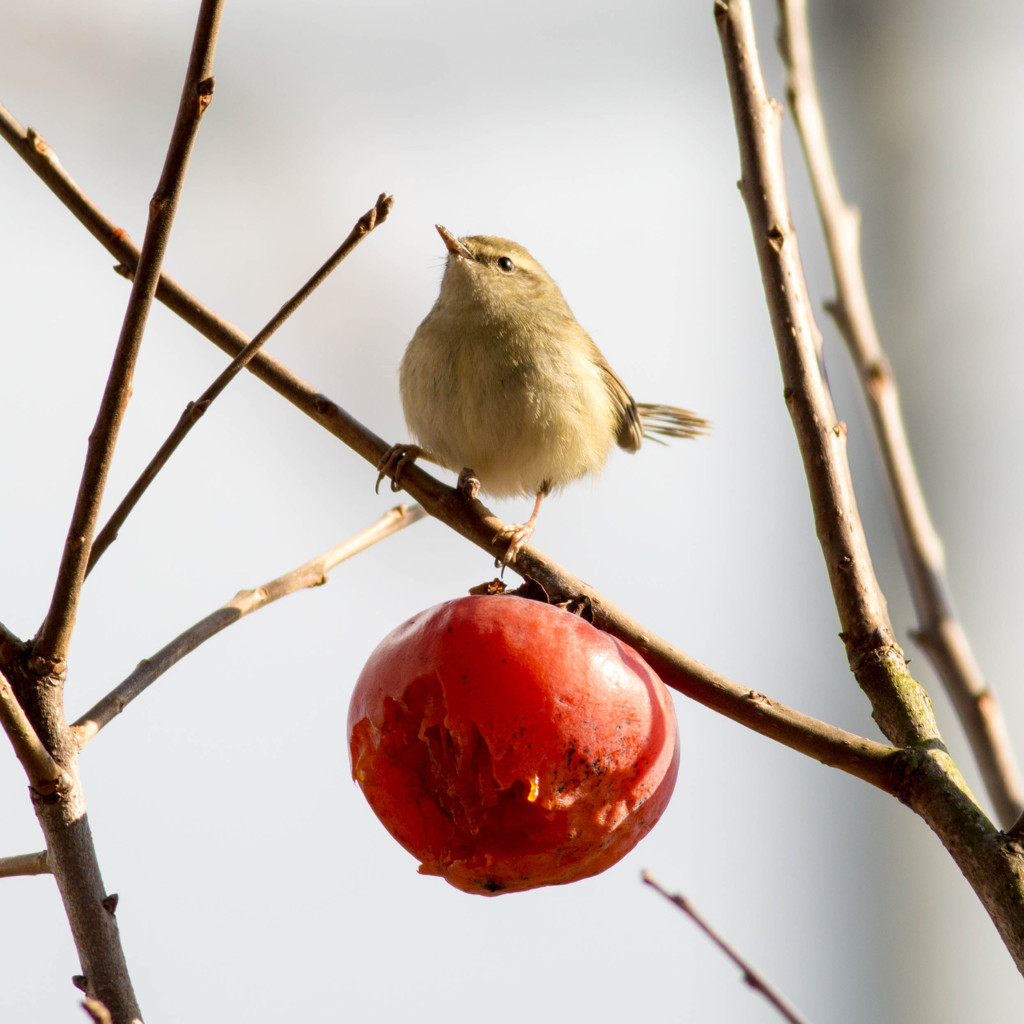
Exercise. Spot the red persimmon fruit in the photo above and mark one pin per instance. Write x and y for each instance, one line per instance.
(508, 744)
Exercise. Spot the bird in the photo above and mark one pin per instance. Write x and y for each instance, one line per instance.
(502, 385)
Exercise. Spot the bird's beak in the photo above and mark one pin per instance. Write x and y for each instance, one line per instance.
(455, 247)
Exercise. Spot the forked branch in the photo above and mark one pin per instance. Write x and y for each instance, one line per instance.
(992, 862)
(939, 632)
(71, 851)
(899, 705)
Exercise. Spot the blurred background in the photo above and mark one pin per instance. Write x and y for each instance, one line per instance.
(255, 883)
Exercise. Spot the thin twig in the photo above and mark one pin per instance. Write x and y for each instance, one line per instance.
(939, 632)
(25, 864)
(311, 574)
(50, 648)
(750, 976)
(899, 705)
(44, 774)
(194, 410)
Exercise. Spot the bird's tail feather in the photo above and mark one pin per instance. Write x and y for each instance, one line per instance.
(660, 421)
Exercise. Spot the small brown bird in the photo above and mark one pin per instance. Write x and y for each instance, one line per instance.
(501, 384)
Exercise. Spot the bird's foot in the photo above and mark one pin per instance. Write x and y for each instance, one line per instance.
(393, 463)
(517, 535)
(468, 484)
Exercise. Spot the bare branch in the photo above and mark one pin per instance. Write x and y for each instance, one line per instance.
(899, 705)
(934, 787)
(50, 648)
(45, 776)
(65, 825)
(25, 864)
(369, 220)
(750, 976)
(311, 574)
(939, 632)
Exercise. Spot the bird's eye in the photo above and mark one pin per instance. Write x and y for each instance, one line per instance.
(505, 265)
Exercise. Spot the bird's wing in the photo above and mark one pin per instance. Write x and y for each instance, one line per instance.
(631, 431)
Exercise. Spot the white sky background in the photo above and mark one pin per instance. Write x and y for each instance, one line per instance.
(255, 883)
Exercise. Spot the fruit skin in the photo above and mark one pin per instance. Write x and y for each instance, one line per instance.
(508, 744)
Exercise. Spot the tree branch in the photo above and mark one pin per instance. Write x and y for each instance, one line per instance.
(25, 864)
(39, 674)
(311, 574)
(194, 410)
(750, 976)
(51, 644)
(933, 786)
(939, 632)
(899, 705)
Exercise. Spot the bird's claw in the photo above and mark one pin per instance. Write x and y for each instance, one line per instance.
(393, 463)
(517, 535)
